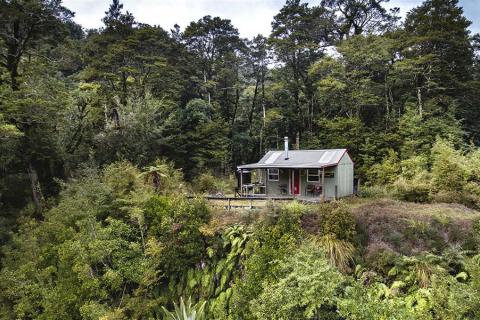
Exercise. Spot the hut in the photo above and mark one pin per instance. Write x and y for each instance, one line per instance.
(322, 174)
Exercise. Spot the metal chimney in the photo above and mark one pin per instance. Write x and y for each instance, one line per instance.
(286, 148)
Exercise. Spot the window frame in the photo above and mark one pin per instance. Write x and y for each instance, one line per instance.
(313, 175)
(273, 174)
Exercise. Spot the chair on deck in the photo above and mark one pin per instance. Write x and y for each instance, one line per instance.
(310, 189)
(314, 190)
(283, 189)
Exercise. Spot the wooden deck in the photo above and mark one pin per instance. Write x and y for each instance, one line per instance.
(253, 202)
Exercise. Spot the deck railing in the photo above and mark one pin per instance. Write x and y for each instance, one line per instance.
(252, 202)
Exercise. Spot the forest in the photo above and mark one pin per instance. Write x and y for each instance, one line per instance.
(110, 137)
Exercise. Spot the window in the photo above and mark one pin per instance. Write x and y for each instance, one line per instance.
(273, 174)
(329, 174)
(313, 175)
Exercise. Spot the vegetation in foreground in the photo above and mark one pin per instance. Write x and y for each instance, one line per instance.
(121, 245)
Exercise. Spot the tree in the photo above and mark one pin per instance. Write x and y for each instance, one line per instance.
(355, 17)
(26, 26)
(195, 139)
(117, 22)
(438, 49)
(212, 40)
(299, 37)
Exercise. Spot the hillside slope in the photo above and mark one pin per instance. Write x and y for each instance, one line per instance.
(411, 228)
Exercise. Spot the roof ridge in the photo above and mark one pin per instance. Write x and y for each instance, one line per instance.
(306, 150)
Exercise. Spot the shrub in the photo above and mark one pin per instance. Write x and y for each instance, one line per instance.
(414, 167)
(208, 183)
(163, 177)
(186, 311)
(306, 287)
(375, 192)
(412, 190)
(337, 219)
(388, 170)
(274, 238)
(381, 259)
(448, 167)
(367, 302)
(339, 252)
(122, 177)
(205, 183)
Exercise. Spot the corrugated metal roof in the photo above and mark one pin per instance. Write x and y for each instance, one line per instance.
(298, 159)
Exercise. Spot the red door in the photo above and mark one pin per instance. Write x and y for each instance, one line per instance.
(294, 181)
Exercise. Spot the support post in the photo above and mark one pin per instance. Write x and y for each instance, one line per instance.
(323, 184)
(241, 182)
(229, 205)
(265, 179)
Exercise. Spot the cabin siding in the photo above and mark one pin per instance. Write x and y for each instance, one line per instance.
(344, 176)
(329, 184)
(273, 187)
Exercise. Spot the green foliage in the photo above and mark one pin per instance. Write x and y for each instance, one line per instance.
(206, 183)
(412, 190)
(164, 177)
(305, 287)
(448, 172)
(186, 311)
(337, 220)
(387, 171)
(210, 184)
(339, 252)
(272, 241)
(97, 246)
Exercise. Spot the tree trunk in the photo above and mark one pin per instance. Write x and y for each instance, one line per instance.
(263, 110)
(235, 109)
(252, 109)
(420, 102)
(13, 68)
(123, 99)
(36, 189)
(205, 82)
(13, 56)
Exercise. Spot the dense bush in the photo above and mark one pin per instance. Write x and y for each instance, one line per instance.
(117, 246)
(411, 190)
(210, 184)
(337, 219)
(445, 175)
(277, 236)
(306, 286)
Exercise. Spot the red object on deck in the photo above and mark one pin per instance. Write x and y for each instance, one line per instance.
(295, 181)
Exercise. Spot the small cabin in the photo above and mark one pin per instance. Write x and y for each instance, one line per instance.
(321, 174)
